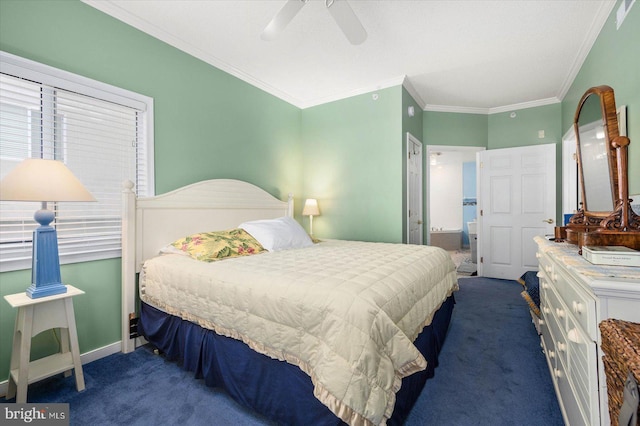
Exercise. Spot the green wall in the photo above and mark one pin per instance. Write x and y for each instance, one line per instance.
(415, 124)
(522, 130)
(352, 155)
(614, 60)
(97, 311)
(208, 124)
(455, 129)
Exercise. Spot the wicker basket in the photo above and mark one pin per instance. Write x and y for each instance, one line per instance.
(621, 347)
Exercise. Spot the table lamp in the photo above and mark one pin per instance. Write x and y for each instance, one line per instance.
(311, 209)
(42, 180)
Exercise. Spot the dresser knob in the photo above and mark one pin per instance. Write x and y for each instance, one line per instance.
(561, 346)
(560, 312)
(574, 336)
(552, 353)
(578, 307)
(557, 373)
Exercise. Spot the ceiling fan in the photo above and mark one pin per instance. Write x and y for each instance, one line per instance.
(339, 10)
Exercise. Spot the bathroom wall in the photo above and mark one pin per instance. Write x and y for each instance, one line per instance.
(445, 189)
(451, 188)
(469, 203)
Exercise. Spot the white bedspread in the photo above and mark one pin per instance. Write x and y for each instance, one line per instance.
(345, 312)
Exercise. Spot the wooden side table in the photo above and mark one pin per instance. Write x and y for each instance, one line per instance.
(35, 316)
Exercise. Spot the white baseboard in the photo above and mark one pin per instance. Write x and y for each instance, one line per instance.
(85, 358)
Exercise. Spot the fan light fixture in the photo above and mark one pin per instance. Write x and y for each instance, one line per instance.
(339, 10)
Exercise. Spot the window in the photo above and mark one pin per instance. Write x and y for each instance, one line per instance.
(104, 136)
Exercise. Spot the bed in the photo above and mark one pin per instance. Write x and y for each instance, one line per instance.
(322, 333)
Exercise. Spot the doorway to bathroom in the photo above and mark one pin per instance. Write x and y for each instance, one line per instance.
(450, 195)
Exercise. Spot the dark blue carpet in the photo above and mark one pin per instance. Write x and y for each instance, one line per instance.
(491, 372)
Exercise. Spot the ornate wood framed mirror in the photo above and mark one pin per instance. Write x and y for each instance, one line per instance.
(605, 217)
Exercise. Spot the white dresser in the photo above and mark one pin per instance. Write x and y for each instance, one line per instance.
(575, 296)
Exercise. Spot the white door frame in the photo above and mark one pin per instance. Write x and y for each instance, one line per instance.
(414, 191)
(438, 148)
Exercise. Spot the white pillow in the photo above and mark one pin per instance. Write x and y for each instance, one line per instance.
(278, 234)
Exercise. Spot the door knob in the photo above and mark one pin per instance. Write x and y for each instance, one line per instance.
(548, 220)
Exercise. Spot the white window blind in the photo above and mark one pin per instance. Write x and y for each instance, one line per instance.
(102, 139)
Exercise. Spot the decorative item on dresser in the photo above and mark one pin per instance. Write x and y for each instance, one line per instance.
(575, 296)
(606, 217)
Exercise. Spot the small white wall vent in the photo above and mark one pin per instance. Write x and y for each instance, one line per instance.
(623, 11)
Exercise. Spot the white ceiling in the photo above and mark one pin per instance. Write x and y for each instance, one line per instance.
(479, 56)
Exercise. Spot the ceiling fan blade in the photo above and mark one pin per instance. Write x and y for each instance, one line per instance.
(282, 19)
(347, 20)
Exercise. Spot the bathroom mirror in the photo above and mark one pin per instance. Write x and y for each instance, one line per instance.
(605, 216)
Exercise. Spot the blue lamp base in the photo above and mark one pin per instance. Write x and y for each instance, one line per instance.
(45, 270)
(35, 292)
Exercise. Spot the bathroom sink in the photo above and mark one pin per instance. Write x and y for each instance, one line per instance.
(473, 227)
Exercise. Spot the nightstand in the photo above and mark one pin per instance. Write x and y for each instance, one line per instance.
(35, 316)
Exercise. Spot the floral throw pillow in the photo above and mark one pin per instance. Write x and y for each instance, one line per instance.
(212, 246)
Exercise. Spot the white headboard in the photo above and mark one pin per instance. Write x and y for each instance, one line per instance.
(148, 224)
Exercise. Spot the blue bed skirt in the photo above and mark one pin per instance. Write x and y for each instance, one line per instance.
(276, 389)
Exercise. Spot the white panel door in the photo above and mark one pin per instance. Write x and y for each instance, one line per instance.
(414, 190)
(517, 201)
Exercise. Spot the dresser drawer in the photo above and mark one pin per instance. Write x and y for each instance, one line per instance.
(581, 304)
(582, 365)
(570, 405)
(550, 346)
(553, 314)
(545, 264)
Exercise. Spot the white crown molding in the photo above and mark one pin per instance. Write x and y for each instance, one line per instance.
(117, 12)
(489, 111)
(393, 82)
(406, 83)
(594, 31)
(456, 109)
(524, 105)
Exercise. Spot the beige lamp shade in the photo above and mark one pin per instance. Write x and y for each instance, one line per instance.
(311, 207)
(42, 180)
